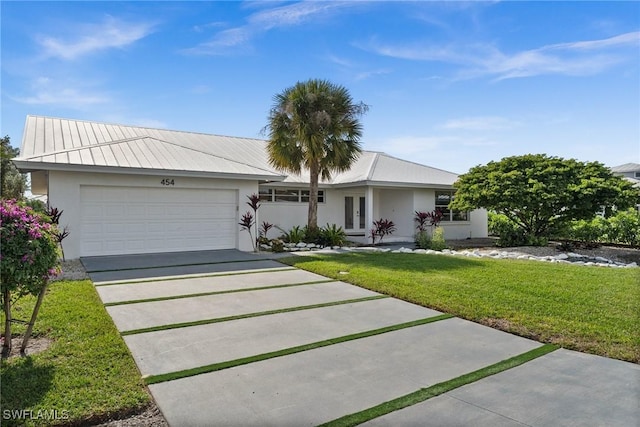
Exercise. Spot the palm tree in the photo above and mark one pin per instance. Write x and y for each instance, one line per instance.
(314, 126)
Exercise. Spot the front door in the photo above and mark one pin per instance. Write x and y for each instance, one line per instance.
(354, 213)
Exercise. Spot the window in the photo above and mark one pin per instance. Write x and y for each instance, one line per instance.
(265, 194)
(304, 196)
(637, 174)
(443, 198)
(287, 195)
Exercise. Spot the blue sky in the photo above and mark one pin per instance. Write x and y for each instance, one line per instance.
(450, 84)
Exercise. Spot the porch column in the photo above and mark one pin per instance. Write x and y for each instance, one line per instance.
(368, 214)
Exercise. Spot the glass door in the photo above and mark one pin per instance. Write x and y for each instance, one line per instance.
(354, 213)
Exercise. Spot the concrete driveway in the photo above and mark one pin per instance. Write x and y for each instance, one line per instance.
(233, 339)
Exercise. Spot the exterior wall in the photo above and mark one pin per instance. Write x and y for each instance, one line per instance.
(425, 200)
(64, 193)
(286, 215)
(395, 204)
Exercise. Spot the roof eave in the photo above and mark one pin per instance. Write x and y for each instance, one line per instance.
(31, 166)
(395, 184)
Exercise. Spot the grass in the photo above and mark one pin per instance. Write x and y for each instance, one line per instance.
(246, 316)
(86, 375)
(154, 379)
(437, 389)
(588, 309)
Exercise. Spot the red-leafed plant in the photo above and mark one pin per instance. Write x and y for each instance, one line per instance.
(247, 223)
(58, 234)
(249, 220)
(381, 228)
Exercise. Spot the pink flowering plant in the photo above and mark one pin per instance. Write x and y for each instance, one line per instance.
(28, 255)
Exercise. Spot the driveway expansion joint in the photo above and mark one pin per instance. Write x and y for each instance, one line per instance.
(154, 379)
(193, 276)
(427, 393)
(228, 291)
(248, 315)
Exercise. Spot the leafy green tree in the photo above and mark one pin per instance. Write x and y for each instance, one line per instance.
(541, 194)
(314, 125)
(12, 183)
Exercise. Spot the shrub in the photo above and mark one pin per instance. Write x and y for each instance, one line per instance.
(588, 232)
(311, 235)
(422, 240)
(510, 234)
(624, 227)
(381, 228)
(295, 235)
(332, 235)
(29, 259)
(437, 239)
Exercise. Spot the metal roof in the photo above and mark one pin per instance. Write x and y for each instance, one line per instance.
(52, 143)
(627, 167)
(374, 168)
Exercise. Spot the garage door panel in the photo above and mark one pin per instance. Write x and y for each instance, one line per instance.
(120, 220)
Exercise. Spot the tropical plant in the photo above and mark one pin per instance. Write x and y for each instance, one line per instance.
(314, 126)
(247, 223)
(381, 228)
(54, 214)
(433, 218)
(29, 259)
(541, 194)
(332, 235)
(264, 230)
(295, 235)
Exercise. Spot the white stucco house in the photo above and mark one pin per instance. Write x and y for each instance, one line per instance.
(129, 189)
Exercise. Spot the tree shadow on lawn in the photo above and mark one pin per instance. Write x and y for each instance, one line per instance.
(25, 382)
(414, 263)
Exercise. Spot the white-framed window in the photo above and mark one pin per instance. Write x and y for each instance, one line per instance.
(637, 174)
(443, 198)
(287, 195)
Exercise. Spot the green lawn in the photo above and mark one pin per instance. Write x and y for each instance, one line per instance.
(86, 375)
(589, 309)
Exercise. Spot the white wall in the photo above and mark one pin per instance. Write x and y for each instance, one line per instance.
(286, 215)
(397, 206)
(64, 193)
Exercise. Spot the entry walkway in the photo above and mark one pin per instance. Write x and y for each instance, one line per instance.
(253, 342)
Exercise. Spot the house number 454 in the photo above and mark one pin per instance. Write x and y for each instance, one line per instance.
(167, 181)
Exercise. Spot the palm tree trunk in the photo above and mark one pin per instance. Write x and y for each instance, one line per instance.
(312, 222)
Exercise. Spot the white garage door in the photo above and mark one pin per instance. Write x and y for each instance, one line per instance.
(124, 220)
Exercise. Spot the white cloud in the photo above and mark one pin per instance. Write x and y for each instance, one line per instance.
(230, 40)
(575, 58)
(46, 91)
(89, 38)
(480, 123)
